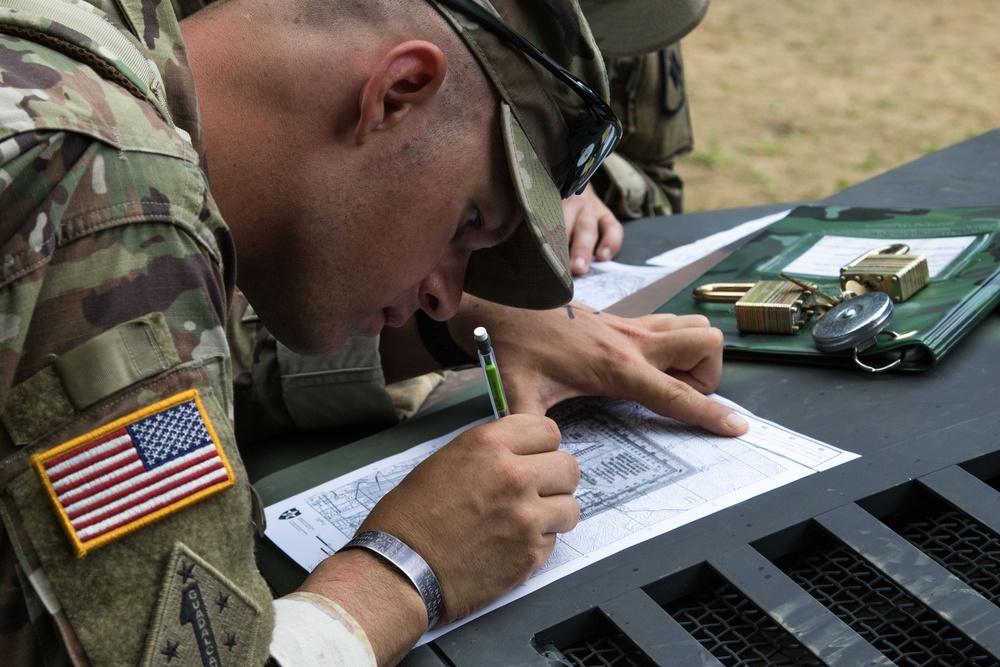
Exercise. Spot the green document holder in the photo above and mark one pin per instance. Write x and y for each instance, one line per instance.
(936, 318)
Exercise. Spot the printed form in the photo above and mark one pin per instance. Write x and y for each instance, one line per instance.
(829, 253)
(641, 475)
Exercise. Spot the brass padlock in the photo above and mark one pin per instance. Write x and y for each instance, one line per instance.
(766, 306)
(886, 269)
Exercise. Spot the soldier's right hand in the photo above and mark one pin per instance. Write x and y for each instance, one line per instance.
(484, 510)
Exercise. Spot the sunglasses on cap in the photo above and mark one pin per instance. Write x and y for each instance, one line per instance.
(593, 135)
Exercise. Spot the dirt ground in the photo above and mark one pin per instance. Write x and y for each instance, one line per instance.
(798, 99)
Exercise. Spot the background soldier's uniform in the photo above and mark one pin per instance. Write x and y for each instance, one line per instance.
(647, 93)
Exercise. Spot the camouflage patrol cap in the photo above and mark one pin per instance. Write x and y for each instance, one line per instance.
(537, 116)
(625, 28)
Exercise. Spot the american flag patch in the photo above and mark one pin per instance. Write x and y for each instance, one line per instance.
(134, 471)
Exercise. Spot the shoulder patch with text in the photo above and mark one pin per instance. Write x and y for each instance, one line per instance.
(134, 471)
(202, 618)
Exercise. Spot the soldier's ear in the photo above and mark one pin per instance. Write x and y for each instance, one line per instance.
(407, 78)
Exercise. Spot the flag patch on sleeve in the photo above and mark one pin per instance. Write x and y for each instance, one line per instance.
(134, 471)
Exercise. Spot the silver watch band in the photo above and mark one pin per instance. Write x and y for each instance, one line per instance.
(407, 561)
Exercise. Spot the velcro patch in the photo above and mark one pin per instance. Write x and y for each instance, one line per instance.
(201, 618)
(134, 471)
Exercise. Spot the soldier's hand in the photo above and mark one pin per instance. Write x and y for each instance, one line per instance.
(665, 362)
(591, 229)
(484, 510)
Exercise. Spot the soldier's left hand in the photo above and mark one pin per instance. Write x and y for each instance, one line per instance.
(665, 362)
(592, 230)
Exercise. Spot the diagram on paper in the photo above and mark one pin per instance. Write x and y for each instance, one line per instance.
(607, 283)
(641, 475)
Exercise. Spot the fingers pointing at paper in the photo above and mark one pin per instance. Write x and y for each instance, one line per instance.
(665, 362)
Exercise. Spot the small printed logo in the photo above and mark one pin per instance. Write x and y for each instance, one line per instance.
(290, 514)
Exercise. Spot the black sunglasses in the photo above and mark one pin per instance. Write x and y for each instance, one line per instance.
(593, 135)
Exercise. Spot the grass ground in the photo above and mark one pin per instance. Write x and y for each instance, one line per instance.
(798, 99)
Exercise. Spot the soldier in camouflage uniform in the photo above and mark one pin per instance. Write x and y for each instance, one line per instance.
(643, 56)
(125, 508)
(645, 67)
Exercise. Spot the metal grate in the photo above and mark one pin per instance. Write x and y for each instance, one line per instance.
(735, 631)
(956, 541)
(873, 606)
(610, 650)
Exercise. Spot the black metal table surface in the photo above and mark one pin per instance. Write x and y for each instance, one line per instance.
(893, 558)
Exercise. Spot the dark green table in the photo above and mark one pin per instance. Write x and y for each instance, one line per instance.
(893, 557)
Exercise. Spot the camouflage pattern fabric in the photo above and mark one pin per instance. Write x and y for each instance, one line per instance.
(108, 229)
(116, 279)
(648, 95)
(278, 391)
(538, 116)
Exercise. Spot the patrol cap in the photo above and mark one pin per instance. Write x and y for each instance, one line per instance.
(554, 135)
(624, 28)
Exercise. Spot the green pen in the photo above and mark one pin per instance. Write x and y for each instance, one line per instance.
(489, 364)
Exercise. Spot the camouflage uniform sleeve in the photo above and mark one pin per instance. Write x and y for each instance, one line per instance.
(277, 390)
(649, 96)
(125, 504)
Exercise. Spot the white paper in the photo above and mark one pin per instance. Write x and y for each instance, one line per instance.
(607, 283)
(642, 475)
(830, 253)
(678, 258)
